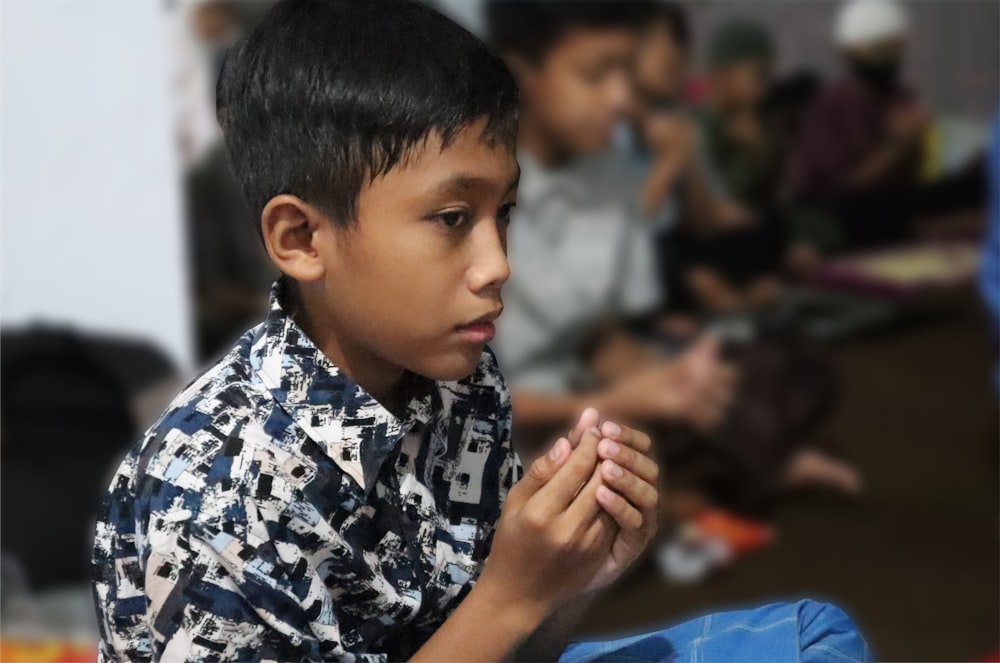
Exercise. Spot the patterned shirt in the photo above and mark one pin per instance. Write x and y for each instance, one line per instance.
(278, 511)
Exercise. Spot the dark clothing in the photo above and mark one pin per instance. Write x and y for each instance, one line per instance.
(750, 175)
(226, 256)
(787, 389)
(738, 256)
(846, 124)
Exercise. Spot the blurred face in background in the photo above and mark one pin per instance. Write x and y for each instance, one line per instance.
(877, 64)
(579, 90)
(742, 84)
(660, 78)
(661, 64)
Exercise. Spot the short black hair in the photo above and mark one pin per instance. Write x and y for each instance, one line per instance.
(325, 95)
(530, 28)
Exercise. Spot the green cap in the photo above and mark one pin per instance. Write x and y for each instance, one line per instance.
(737, 41)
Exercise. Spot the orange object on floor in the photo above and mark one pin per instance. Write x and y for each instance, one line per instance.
(742, 535)
(46, 651)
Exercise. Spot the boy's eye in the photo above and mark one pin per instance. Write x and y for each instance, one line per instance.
(503, 214)
(452, 219)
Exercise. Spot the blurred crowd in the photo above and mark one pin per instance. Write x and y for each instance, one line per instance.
(694, 230)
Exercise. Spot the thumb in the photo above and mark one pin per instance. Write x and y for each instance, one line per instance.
(544, 467)
(589, 418)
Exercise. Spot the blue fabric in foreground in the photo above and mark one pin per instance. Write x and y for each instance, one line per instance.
(802, 632)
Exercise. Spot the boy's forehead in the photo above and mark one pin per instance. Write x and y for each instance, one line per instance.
(470, 150)
(596, 41)
(469, 159)
(462, 182)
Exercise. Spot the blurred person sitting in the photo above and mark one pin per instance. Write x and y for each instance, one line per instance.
(581, 248)
(788, 386)
(584, 267)
(862, 145)
(740, 268)
(706, 230)
(230, 269)
(735, 243)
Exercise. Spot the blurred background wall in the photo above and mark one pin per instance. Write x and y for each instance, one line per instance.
(92, 231)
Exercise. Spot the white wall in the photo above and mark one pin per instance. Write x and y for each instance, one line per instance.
(91, 229)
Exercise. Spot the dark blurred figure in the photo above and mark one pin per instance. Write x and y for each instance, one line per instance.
(862, 145)
(71, 406)
(231, 271)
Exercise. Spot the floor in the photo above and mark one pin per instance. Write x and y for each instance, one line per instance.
(916, 562)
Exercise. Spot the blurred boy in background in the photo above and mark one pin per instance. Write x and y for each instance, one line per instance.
(582, 251)
(740, 268)
(703, 229)
(862, 148)
(708, 238)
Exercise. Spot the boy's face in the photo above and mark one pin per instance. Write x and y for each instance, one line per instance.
(878, 63)
(580, 88)
(661, 69)
(416, 280)
(742, 84)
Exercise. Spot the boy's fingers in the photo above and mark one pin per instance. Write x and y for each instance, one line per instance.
(637, 463)
(603, 529)
(559, 491)
(544, 467)
(640, 494)
(585, 507)
(626, 515)
(627, 436)
(588, 419)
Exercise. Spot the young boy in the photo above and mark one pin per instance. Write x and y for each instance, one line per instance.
(331, 489)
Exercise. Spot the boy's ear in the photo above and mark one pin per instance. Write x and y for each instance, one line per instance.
(295, 234)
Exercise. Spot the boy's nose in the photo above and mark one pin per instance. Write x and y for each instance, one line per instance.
(489, 268)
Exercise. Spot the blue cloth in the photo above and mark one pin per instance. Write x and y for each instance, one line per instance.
(989, 275)
(806, 632)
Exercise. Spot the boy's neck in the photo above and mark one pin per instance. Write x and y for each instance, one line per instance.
(540, 144)
(380, 378)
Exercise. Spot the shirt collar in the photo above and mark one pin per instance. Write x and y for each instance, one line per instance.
(539, 182)
(355, 430)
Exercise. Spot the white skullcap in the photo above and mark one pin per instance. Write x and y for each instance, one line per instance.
(865, 21)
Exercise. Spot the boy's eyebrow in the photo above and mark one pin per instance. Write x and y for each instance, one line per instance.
(463, 182)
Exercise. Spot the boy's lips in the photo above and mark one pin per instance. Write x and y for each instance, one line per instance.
(480, 330)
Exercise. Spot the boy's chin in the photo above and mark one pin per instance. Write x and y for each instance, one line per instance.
(453, 365)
